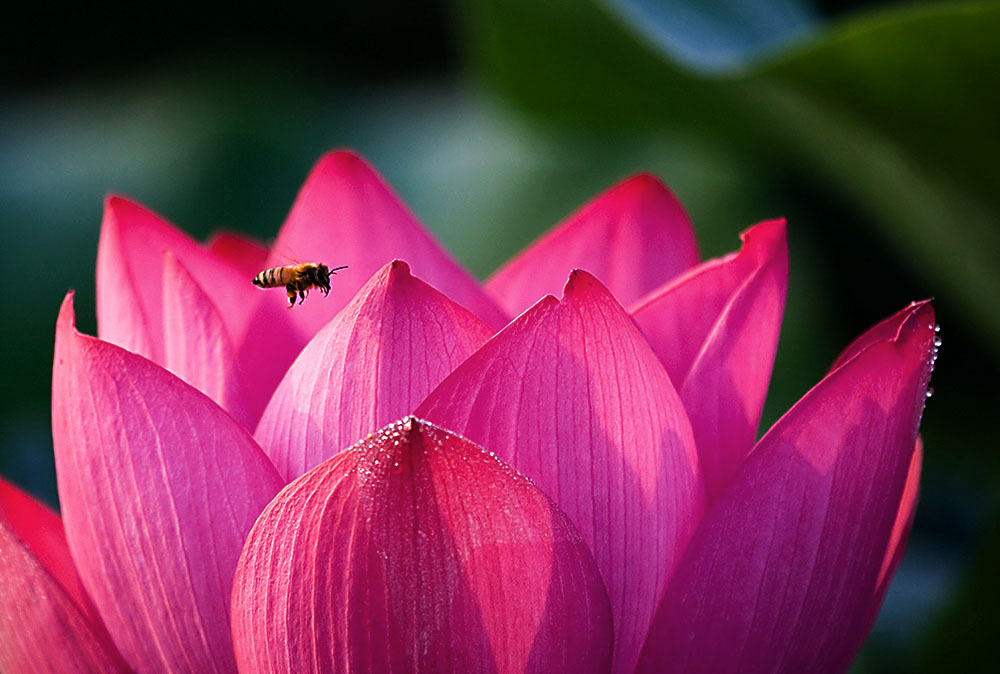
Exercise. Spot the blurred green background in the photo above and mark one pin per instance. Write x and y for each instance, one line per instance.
(872, 126)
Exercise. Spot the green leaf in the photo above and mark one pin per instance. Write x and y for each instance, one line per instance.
(894, 112)
(717, 35)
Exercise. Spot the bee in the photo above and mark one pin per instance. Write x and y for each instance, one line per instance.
(297, 279)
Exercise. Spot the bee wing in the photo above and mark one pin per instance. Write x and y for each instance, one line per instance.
(282, 255)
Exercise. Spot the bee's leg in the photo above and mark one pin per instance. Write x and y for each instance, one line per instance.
(290, 291)
(302, 296)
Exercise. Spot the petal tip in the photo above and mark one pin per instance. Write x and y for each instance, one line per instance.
(641, 188)
(113, 201)
(116, 204)
(641, 184)
(581, 282)
(341, 160)
(67, 316)
(398, 270)
(767, 234)
(919, 321)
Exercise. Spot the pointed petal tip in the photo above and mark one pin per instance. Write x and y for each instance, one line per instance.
(578, 281)
(771, 229)
(765, 242)
(921, 329)
(893, 329)
(114, 201)
(67, 317)
(642, 184)
(117, 205)
(339, 161)
(919, 317)
(398, 270)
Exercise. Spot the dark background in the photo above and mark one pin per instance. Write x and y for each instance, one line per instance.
(213, 118)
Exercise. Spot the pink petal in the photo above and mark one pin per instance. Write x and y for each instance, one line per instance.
(880, 332)
(47, 624)
(415, 551)
(130, 275)
(897, 540)
(198, 347)
(159, 488)
(374, 362)
(346, 214)
(782, 571)
(678, 317)
(725, 387)
(633, 237)
(245, 254)
(571, 395)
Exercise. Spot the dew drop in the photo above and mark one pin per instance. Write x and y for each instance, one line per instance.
(929, 393)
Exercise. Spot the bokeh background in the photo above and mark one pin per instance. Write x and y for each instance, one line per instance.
(873, 127)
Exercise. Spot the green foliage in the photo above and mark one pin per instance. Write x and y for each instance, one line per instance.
(892, 111)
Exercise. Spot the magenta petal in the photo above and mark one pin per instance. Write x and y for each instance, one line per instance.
(880, 332)
(678, 317)
(46, 622)
(197, 346)
(571, 395)
(159, 488)
(725, 388)
(346, 214)
(245, 254)
(633, 237)
(782, 571)
(900, 533)
(374, 362)
(130, 277)
(415, 551)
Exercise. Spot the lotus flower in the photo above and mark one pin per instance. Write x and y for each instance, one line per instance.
(419, 473)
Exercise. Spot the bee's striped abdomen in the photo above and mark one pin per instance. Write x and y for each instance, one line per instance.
(274, 277)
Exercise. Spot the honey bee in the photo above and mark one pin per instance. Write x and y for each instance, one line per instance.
(297, 279)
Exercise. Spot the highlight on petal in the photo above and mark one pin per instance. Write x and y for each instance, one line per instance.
(900, 533)
(374, 362)
(678, 317)
(245, 254)
(881, 331)
(783, 569)
(346, 214)
(633, 237)
(47, 624)
(724, 390)
(159, 487)
(197, 345)
(571, 395)
(416, 551)
(130, 274)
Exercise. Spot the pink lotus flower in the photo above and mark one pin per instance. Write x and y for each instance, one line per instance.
(212, 520)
